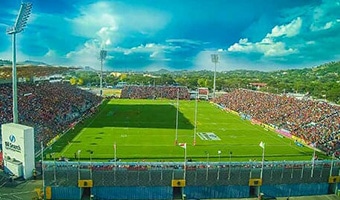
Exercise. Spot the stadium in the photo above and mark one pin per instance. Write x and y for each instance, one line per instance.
(156, 143)
(84, 133)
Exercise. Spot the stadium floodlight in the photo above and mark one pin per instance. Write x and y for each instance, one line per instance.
(103, 55)
(20, 23)
(214, 59)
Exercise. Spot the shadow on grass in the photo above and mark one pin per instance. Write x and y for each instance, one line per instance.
(132, 116)
(141, 116)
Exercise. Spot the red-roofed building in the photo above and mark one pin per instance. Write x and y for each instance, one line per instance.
(258, 85)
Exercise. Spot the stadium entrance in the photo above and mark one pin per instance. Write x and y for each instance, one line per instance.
(86, 193)
(177, 192)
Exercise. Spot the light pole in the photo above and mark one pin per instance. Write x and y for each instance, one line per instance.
(91, 152)
(79, 164)
(42, 165)
(214, 59)
(176, 133)
(219, 155)
(20, 23)
(332, 163)
(230, 153)
(262, 145)
(54, 169)
(103, 54)
(207, 173)
(195, 128)
(219, 166)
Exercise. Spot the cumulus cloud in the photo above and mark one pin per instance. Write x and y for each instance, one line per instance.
(96, 21)
(87, 55)
(288, 30)
(152, 49)
(109, 24)
(309, 37)
(271, 45)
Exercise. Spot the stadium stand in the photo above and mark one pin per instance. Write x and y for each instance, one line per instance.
(153, 92)
(315, 122)
(51, 108)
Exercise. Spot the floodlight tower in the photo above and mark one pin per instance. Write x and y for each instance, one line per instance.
(103, 54)
(20, 23)
(214, 59)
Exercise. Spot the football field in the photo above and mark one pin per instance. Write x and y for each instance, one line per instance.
(145, 130)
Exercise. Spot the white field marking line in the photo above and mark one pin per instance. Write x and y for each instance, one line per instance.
(68, 146)
(270, 134)
(17, 197)
(12, 193)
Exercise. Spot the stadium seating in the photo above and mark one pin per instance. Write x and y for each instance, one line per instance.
(51, 108)
(153, 92)
(315, 122)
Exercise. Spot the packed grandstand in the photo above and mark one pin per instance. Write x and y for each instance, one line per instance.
(52, 108)
(316, 122)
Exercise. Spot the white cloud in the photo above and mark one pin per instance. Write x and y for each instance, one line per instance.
(97, 20)
(310, 42)
(153, 50)
(105, 19)
(88, 55)
(51, 53)
(288, 30)
(106, 24)
(324, 15)
(271, 45)
(325, 26)
(183, 41)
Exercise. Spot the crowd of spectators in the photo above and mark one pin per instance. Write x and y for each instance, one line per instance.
(50, 108)
(154, 92)
(315, 122)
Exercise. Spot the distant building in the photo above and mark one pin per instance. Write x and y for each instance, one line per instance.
(121, 84)
(258, 85)
(116, 74)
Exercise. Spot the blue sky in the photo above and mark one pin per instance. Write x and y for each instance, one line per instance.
(177, 34)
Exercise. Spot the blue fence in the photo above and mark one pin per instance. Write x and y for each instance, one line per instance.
(66, 192)
(132, 192)
(216, 192)
(295, 189)
(217, 180)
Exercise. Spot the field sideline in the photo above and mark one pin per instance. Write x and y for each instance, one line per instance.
(145, 130)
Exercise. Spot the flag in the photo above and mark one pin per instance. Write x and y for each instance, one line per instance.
(262, 144)
(79, 151)
(183, 145)
(114, 146)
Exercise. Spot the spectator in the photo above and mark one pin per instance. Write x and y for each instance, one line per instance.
(313, 121)
(50, 108)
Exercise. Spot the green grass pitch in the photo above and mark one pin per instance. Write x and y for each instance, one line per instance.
(145, 130)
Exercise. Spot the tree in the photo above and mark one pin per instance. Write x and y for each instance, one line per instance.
(73, 81)
(80, 81)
